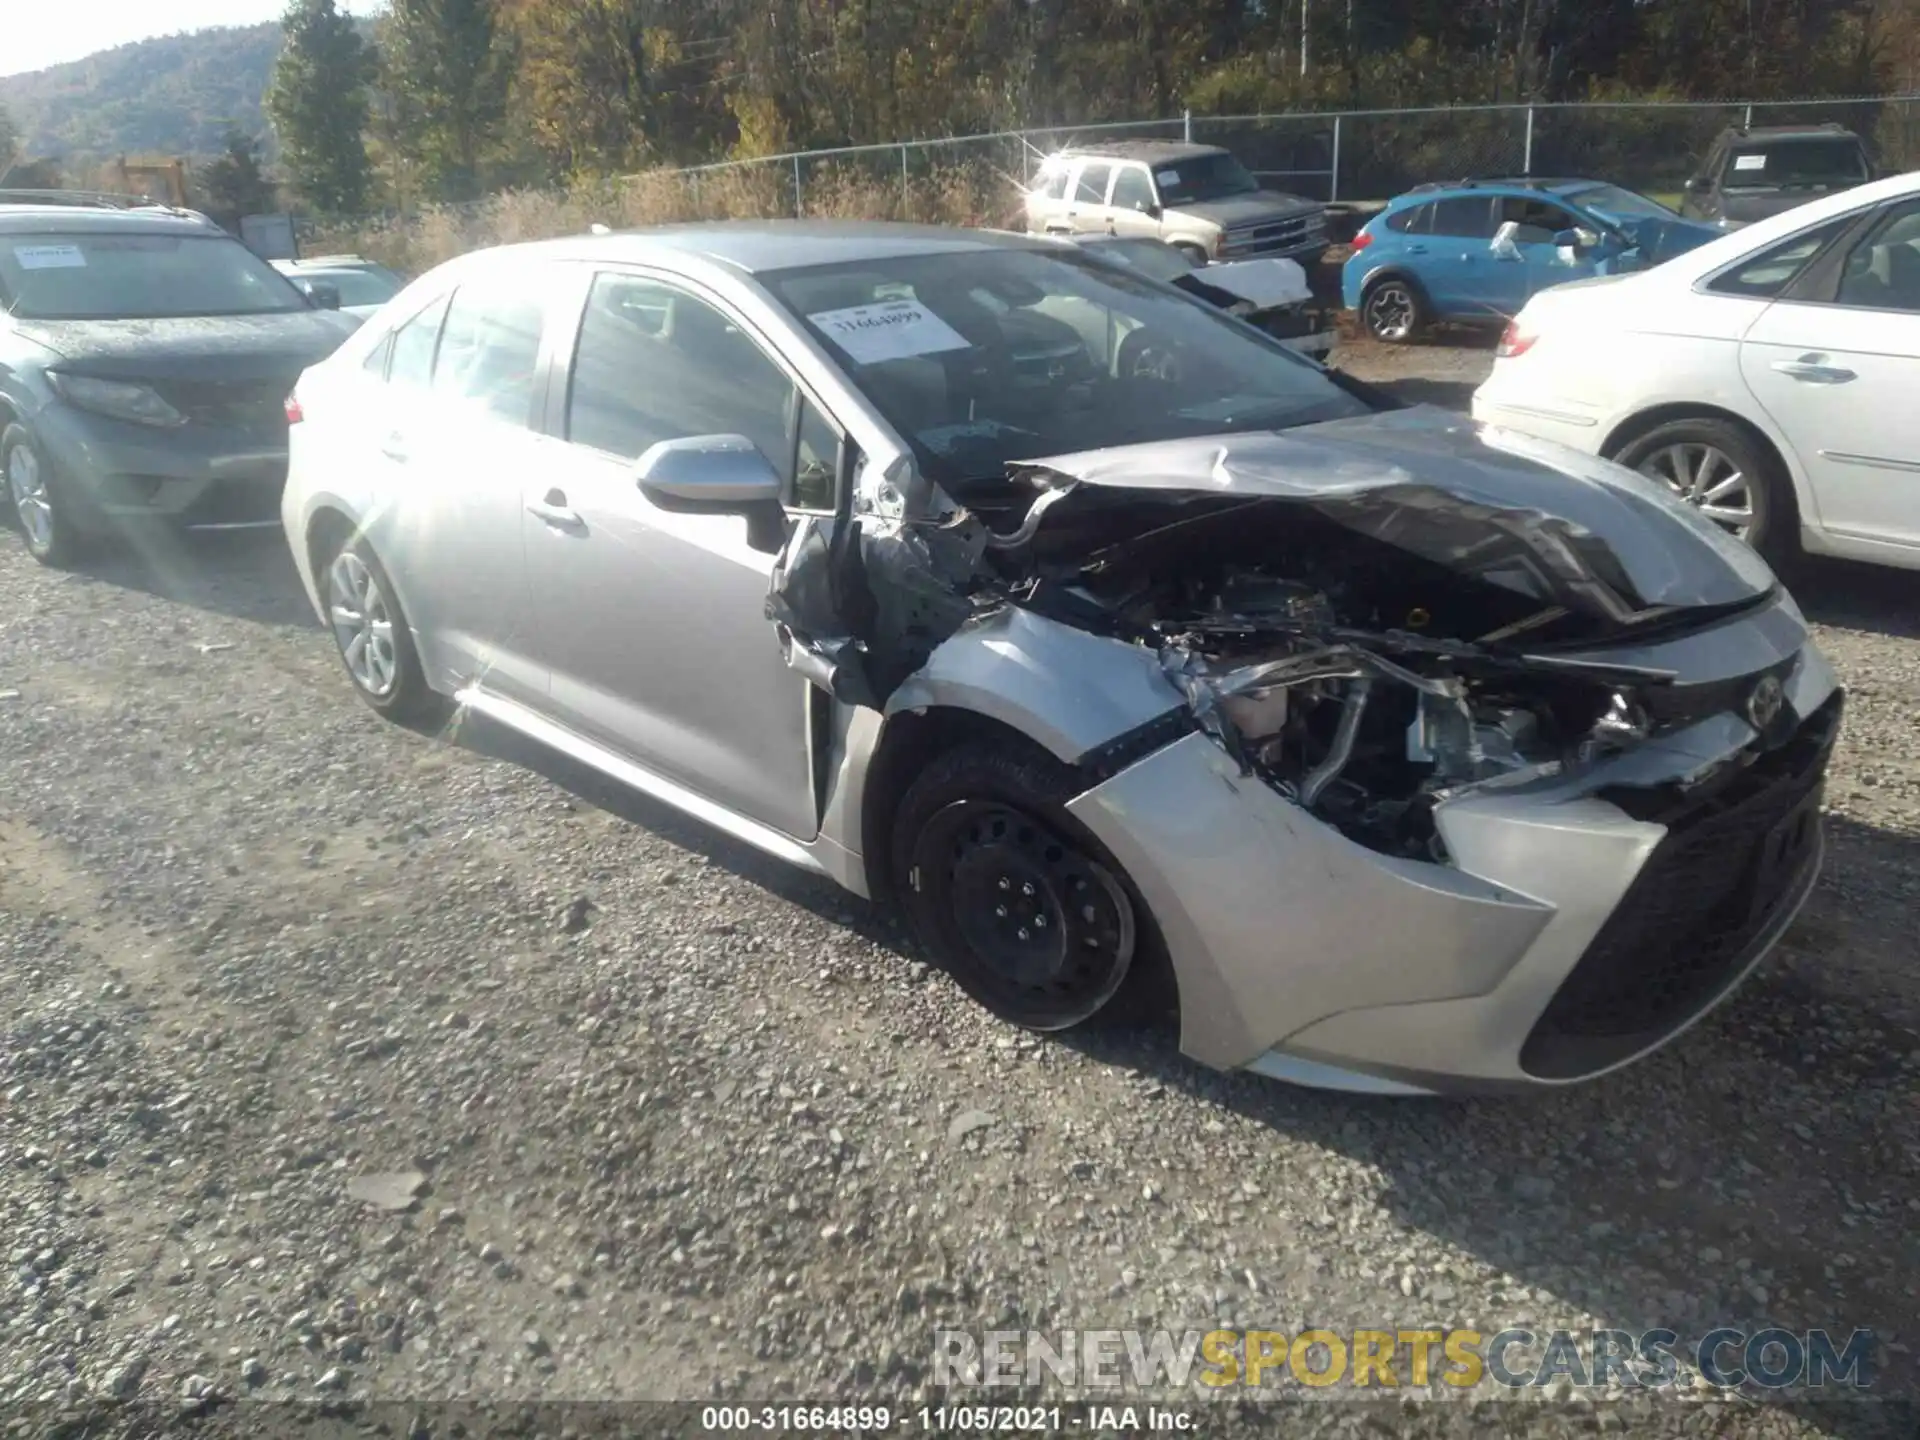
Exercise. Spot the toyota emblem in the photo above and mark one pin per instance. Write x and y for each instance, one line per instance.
(1765, 701)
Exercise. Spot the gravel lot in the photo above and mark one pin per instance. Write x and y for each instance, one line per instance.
(682, 1124)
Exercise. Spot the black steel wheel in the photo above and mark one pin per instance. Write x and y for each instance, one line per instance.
(1014, 898)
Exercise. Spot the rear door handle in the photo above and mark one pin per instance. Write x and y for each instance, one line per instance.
(1809, 370)
(555, 511)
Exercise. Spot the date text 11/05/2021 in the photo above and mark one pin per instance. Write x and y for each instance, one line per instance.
(948, 1419)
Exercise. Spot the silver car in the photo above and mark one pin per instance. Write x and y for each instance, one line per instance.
(1137, 658)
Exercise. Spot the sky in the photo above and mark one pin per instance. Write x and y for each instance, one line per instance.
(35, 35)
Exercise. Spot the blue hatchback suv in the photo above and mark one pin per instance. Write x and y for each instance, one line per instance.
(1475, 251)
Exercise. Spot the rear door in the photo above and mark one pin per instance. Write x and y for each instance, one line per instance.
(655, 621)
(1457, 266)
(1836, 364)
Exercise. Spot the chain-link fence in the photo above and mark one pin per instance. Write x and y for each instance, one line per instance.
(1356, 156)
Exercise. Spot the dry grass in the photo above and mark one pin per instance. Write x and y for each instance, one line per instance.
(962, 194)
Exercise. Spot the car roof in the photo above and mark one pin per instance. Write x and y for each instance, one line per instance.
(1829, 131)
(765, 246)
(1546, 184)
(1151, 151)
(86, 220)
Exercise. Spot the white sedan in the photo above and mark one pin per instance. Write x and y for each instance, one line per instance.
(1771, 378)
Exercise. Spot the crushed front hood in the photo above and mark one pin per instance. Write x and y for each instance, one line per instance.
(1535, 518)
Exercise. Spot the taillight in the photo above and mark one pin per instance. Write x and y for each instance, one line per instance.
(1362, 240)
(294, 413)
(1515, 341)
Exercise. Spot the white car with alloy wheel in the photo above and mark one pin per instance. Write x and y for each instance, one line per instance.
(1771, 378)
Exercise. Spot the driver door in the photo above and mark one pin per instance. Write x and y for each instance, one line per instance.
(654, 621)
(1534, 261)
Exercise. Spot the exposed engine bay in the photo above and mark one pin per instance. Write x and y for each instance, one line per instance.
(1366, 651)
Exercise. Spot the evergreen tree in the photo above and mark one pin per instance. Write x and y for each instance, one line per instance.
(318, 104)
(446, 65)
(236, 185)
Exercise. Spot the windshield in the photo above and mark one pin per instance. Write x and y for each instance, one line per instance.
(138, 277)
(1810, 163)
(1612, 200)
(1200, 178)
(989, 357)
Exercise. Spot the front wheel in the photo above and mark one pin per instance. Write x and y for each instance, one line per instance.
(39, 501)
(373, 639)
(1015, 899)
(1726, 475)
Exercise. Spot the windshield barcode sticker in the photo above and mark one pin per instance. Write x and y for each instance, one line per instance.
(892, 330)
(49, 257)
(1750, 162)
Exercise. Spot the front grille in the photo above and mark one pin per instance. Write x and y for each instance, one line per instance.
(1713, 887)
(255, 406)
(1273, 235)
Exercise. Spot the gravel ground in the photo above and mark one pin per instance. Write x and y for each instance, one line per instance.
(342, 1062)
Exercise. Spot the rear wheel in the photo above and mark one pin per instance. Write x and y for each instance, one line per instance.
(1016, 899)
(1393, 311)
(372, 635)
(1720, 470)
(38, 499)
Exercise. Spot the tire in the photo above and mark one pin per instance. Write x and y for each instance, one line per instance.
(375, 644)
(1017, 900)
(39, 501)
(1393, 310)
(1675, 454)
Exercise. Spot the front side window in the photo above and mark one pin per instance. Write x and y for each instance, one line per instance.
(655, 363)
(1092, 188)
(816, 461)
(1198, 179)
(1883, 271)
(992, 356)
(1539, 220)
(489, 352)
(1131, 189)
(1052, 184)
(135, 276)
(413, 347)
(1414, 220)
(1769, 273)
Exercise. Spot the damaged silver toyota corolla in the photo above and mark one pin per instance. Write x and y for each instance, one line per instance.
(1138, 658)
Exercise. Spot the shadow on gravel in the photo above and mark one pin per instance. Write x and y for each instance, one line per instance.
(244, 574)
(822, 897)
(1447, 394)
(1849, 595)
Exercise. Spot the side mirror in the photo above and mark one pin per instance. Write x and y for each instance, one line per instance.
(716, 475)
(323, 293)
(1150, 209)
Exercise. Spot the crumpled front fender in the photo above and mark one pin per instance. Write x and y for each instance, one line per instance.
(1069, 691)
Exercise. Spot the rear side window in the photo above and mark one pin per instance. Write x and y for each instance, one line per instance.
(413, 347)
(1468, 216)
(1052, 185)
(1414, 220)
(1769, 273)
(1092, 189)
(490, 348)
(1883, 272)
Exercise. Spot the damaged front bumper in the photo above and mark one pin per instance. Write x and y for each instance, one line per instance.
(1582, 920)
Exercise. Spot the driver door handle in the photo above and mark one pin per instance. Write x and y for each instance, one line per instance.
(1809, 370)
(555, 511)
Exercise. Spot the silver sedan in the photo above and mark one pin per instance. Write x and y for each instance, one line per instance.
(1141, 661)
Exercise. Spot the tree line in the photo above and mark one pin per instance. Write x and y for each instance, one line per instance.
(450, 99)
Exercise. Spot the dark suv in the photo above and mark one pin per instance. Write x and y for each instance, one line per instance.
(145, 360)
(1753, 173)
